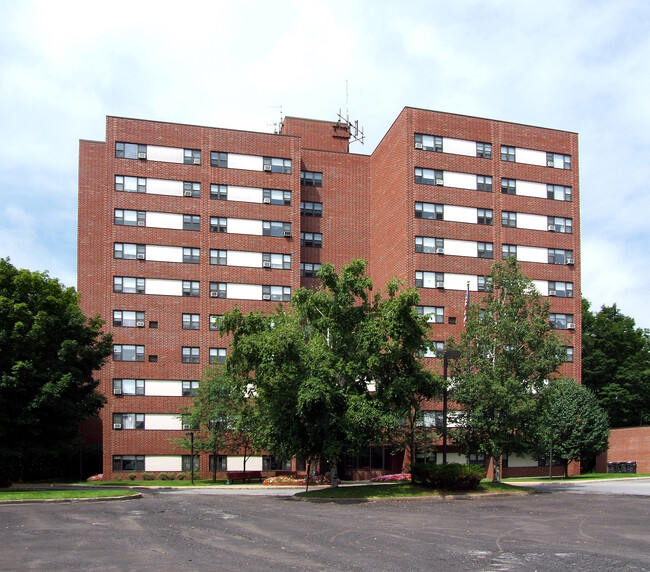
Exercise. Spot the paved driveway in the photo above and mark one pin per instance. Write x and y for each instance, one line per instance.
(637, 487)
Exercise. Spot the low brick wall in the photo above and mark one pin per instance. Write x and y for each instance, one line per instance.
(627, 444)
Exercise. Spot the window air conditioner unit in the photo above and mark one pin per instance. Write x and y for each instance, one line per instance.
(140, 223)
(418, 145)
(267, 167)
(287, 234)
(140, 256)
(139, 324)
(551, 292)
(214, 294)
(266, 296)
(186, 426)
(266, 264)
(439, 182)
(570, 326)
(440, 250)
(142, 155)
(117, 391)
(197, 161)
(266, 200)
(188, 193)
(570, 261)
(440, 284)
(551, 227)
(117, 426)
(549, 163)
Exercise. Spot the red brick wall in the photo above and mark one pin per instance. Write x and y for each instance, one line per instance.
(627, 444)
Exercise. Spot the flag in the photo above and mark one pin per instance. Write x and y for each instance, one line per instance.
(466, 304)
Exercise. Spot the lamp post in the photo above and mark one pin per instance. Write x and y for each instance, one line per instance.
(449, 354)
(191, 436)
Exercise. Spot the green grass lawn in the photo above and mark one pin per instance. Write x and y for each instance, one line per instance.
(156, 483)
(67, 494)
(586, 476)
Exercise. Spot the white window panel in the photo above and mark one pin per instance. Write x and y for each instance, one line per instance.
(460, 247)
(515, 461)
(165, 154)
(165, 220)
(459, 281)
(163, 388)
(245, 194)
(245, 226)
(541, 286)
(530, 189)
(532, 254)
(165, 187)
(531, 157)
(163, 421)
(154, 463)
(247, 162)
(245, 291)
(163, 287)
(245, 259)
(164, 253)
(236, 463)
(461, 180)
(532, 222)
(460, 214)
(459, 147)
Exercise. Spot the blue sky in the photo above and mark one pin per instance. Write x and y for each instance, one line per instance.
(578, 66)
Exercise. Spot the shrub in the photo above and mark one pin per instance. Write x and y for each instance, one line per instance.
(392, 478)
(99, 477)
(148, 476)
(183, 476)
(132, 476)
(451, 477)
(166, 476)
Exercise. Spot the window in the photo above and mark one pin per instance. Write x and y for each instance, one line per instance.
(218, 290)
(191, 255)
(429, 279)
(128, 387)
(129, 218)
(429, 211)
(128, 463)
(558, 161)
(429, 419)
(484, 216)
(561, 321)
(191, 288)
(434, 314)
(190, 388)
(191, 321)
(218, 224)
(192, 156)
(484, 150)
(190, 355)
(130, 184)
(437, 350)
(192, 189)
(509, 219)
(483, 183)
(130, 150)
(428, 142)
(311, 179)
(128, 319)
(128, 420)
(428, 176)
(311, 209)
(560, 224)
(276, 293)
(219, 257)
(127, 285)
(560, 256)
(191, 222)
(509, 186)
(484, 284)
(276, 197)
(270, 463)
(508, 250)
(215, 322)
(128, 353)
(153, 324)
(219, 192)
(569, 354)
(280, 261)
(429, 245)
(314, 239)
(218, 159)
(222, 463)
(129, 251)
(560, 289)
(309, 269)
(476, 459)
(275, 228)
(277, 165)
(217, 355)
(559, 193)
(507, 153)
(485, 250)
(186, 463)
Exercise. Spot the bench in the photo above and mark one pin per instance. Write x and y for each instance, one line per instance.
(243, 476)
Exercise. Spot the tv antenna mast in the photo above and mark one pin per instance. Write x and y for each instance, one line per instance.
(356, 132)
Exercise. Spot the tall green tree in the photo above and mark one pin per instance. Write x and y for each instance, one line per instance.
(48, 353)
(616, 364)
(507, 352)
(572, 426)
(336, 369)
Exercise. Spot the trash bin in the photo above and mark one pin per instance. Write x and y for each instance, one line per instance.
(630, 467)
(611, 467)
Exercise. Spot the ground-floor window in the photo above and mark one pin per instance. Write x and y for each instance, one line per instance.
(222, 463)
(270, 463)
(128, 463)
(373, 457)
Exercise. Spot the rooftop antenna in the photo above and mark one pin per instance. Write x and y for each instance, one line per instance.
(356, 133)
(277, 125)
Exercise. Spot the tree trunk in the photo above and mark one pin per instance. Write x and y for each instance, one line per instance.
(334, 477)
(496, 469)
(214, 466)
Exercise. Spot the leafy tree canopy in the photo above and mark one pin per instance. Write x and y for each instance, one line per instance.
(48, 352)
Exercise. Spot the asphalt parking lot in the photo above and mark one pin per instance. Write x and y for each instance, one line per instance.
(172, 530)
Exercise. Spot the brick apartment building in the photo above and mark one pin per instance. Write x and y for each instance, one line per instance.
(179, 224)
